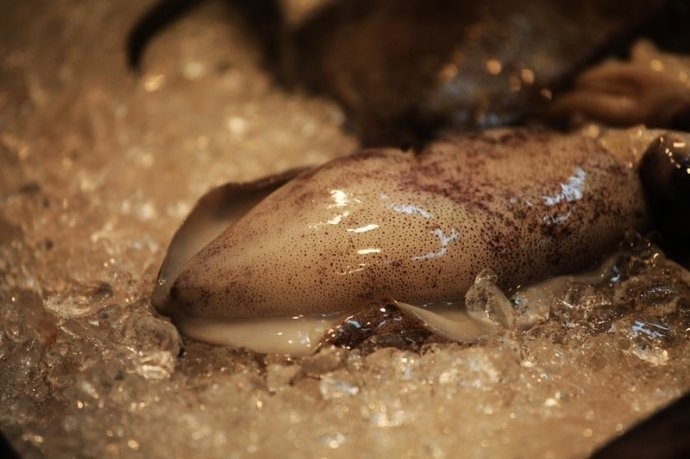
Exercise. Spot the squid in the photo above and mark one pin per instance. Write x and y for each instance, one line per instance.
(278, 264)
(652, 88)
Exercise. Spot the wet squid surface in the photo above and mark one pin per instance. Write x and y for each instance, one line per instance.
(413, 228)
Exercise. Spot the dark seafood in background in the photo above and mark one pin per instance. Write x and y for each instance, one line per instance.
(272, 267)
(447, 64)
(403, 71)
(665, 175)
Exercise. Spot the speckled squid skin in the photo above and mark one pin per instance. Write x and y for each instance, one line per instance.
(418, 227)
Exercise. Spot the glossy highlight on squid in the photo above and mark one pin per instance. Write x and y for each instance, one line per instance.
(275, 264)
